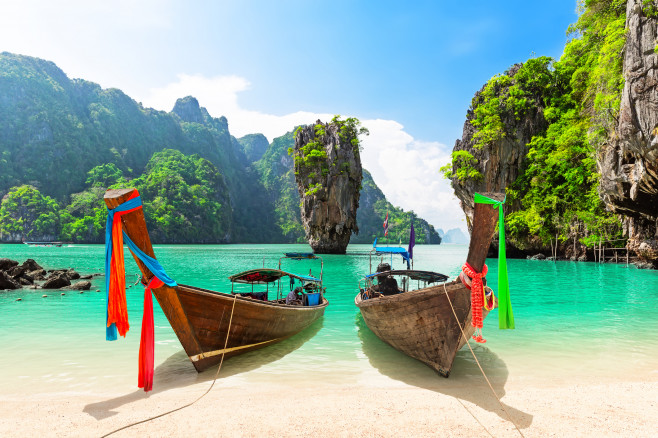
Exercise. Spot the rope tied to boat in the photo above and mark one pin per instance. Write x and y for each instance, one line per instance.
(477, 298)
(228, 331)
(445, 290)
(115, 286)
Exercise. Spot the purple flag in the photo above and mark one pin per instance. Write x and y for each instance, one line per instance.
(412, 241)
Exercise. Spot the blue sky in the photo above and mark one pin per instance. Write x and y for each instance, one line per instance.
(408, 70)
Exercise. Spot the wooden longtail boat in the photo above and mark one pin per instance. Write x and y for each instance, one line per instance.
(421, 323)
(201, 317)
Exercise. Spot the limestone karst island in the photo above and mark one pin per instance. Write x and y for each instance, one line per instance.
(300, 219)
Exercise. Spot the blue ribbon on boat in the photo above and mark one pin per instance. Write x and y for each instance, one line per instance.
(152, 264)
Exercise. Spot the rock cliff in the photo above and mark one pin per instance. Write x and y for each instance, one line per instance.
(328, 174)
(253, 146)
(497, 162)
(629, 162)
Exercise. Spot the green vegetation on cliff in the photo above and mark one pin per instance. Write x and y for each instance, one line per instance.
(184, 199)
(183, 196)
(311, 159)
(556, 191)
(26, 212)
(559, 188)
(373, 207)
(63, 142)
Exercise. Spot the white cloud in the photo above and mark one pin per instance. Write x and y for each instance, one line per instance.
(87, 38)
(405, 169)
(219, 95)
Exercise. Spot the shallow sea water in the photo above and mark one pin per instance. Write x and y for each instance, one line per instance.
(574, 322)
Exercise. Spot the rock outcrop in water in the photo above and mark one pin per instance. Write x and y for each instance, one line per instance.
(499, 161)
(328, 174)
(629, 162)
(27, 274)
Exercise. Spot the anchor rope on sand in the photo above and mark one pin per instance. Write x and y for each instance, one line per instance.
(478, 363)
(200, 397)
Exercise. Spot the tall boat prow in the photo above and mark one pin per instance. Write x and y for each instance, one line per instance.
(434, 321)
(201, 318)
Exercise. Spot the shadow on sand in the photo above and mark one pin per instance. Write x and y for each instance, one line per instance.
(177, 371)
(465, 382)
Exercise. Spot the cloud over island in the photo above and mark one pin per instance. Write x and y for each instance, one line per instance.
(404, 168)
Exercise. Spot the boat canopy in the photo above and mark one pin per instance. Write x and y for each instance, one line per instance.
(397, 250)
(427, 276)
(264, 276)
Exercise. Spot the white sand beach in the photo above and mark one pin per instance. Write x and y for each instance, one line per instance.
(376, 406)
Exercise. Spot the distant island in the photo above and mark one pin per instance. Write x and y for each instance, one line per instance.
(453, 235)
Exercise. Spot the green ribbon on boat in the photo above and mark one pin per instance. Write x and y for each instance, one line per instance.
(505, 314)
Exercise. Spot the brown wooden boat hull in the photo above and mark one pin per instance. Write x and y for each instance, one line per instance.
(201, 318)
(421, 323)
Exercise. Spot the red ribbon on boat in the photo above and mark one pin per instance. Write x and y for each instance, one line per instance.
(115, 280)
(147, 341)
(477, 298)
(117, 310)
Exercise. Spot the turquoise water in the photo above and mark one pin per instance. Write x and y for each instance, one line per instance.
(573, 321)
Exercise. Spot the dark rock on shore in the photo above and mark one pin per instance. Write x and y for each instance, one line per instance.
(39, 274)
(23, 276)
(16, 271)
(30, 265)
(6, 282)
(56, 280)
(25, 281)
(6, 264)
(70, 274)
(80, 285)
(643, 265)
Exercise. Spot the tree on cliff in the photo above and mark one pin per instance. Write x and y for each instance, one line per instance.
(26, 213)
